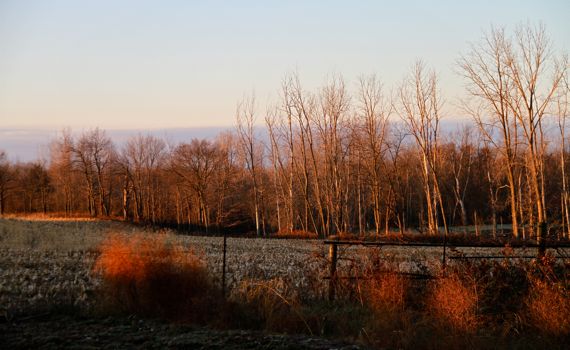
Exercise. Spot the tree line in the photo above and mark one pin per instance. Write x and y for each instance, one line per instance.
(332, 160)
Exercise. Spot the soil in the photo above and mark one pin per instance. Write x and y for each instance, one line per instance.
(53, 331)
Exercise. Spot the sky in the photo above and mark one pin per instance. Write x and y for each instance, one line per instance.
(185, 64)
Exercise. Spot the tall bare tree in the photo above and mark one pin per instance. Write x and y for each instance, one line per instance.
(373, 113)
(420, 111)
(561, 111)
(486, 71)
(195, 164)
(515, 82)
(142, 159)
(246, 119)
(93, 154)
(6, 177)
(61, 169)
(536, 75)
(331, 123)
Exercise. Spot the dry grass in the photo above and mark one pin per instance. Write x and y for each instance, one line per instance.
(271, 305)
(391, 323)
(453, 304)
(57, 234)
(49, 217)
(548, 308)
(151, 276)
(295, 234)
(386, 292)
(280, 285)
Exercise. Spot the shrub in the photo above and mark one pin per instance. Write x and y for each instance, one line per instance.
(453, 304)
(386, 292)
(391, 318)
(548, 307)
(270, 304)
(150, 276)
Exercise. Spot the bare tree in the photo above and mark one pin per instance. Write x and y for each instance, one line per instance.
(278, 169)
(374, 111)
(460, 160)
(93, 153)
(562, 104)
(331, 120)
(420, 111)
(6, 177)
(61, 169)
(486, 70)
(226, 176)
(142, 159)
(245, 118)
(195, 164)
(536, 77)
(301, 107)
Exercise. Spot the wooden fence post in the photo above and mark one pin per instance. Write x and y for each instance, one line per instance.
(541, 239)
(224, 266)
(332, 279)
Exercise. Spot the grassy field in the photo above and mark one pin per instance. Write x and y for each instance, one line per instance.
(48, 265)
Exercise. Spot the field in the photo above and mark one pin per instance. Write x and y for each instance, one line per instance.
(46, 266)
(49, 292)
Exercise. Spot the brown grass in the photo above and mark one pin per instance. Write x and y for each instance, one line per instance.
(271, 305)
(386, 292)
(389, 326)
(151, 276)
(453, 304)
(548, 308)
(295, 234)
(50, 217)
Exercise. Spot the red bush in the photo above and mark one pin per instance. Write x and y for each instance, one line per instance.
(549, 307)
(453, 304)
(148, 275)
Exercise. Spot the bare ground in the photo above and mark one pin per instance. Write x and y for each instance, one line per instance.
(52, 331)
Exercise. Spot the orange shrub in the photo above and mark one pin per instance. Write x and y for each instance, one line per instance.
(148, 275)
(453, 304)
(549, 308)
(387, 292)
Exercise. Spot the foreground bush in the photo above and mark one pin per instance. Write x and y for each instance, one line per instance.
(150, 276)
(453, 304)
(386, 292)
(548, 307)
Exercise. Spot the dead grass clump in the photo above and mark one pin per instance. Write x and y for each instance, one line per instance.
(149, 275)
(391, 318)
(386, 292)
(270, 304)
(453, 304)
(549, 308)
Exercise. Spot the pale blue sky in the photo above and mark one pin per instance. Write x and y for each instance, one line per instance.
(160, 64)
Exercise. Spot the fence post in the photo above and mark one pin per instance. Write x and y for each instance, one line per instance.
(224, 265)
(332, 279)
(443, 259)
(541, 239)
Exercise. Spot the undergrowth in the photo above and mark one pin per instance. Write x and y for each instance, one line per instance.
(483, 304)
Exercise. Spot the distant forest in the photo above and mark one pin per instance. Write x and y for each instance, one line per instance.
(333, 160)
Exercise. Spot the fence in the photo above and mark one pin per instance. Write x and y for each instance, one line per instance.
(335, 243)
